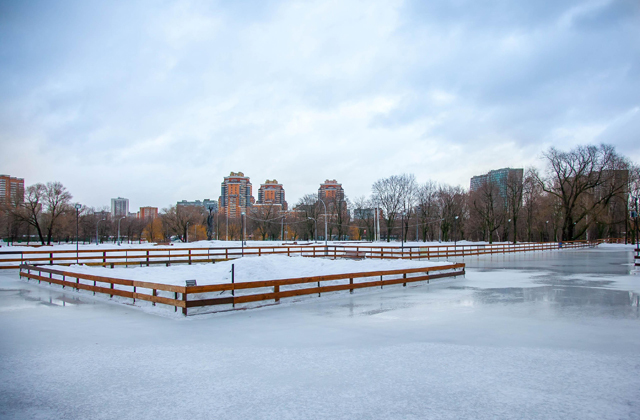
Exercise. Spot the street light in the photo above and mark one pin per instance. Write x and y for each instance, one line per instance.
(119, 220)
(326, 246)
(402, 234)
(548, 236)
(455, 237)
(78, 207)
(187, 232)
(97, 237)
(242, 233)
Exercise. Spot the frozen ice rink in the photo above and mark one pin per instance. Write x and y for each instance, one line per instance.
(523, 336)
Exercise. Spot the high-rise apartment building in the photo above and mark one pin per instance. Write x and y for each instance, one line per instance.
(11, 190)
(147, 213)
(498, 177)
(236, 195)
(331, 190)
(271, 192)
(119, 207)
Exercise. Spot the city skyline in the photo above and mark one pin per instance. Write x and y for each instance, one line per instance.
(155, 102)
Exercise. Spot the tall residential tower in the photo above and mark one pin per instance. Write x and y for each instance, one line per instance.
(236, 195)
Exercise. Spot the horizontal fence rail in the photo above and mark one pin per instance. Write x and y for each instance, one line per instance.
(186, 297)
(167, 255)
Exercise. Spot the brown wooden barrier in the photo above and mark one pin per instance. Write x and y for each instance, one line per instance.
(167, 256)
(186, 296)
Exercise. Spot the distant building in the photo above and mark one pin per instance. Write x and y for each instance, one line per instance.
(119, 207)
(236, 195)
(331, 190)
(206, 203)
(271, 192)
(11, 190)
(498, 177)
(147, 213)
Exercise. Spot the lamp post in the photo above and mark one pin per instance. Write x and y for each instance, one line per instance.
(326, 245)
(78, 207)
(242, 233)
(548, 236)
(119, 220)
(455, 237)
(402, 234)
(187, 233)
(97, 237)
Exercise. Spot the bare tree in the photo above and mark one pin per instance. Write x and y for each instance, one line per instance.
(339, 209)
(427, 209)
(582, 179)
(267, 219)
(452, 203)
(490, 206)
(309, 212)
(531, 195)
(513, 198)
(177, 219)
(43, 205)
(363, 216)
(392, 195)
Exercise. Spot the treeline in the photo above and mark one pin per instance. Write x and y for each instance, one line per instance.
(585, 193)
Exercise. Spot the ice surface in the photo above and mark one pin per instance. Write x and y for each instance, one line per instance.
(543, 339)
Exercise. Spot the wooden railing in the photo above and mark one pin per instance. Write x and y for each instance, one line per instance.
(167, 256)
(186, 297)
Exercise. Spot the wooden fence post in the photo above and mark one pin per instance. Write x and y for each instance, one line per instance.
(184, 299)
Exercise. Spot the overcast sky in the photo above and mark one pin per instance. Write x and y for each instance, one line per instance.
(157, 101)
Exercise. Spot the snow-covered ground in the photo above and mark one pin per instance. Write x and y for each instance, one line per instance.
(247, 269)
(269, 267)
(547, 335)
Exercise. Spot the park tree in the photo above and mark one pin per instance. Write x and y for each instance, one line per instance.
(266, 219)
(309, 212)
(513, 199)
(427, 209)
(363, 216)
(531, 197)
(582, 179)
(452, 204)
(490, 206)
(392, 195)
(43, 205)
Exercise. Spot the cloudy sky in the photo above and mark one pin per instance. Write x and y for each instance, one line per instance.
(157, 101)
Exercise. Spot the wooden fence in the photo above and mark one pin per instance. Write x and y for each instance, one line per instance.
(186, 297)
(168, 255)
